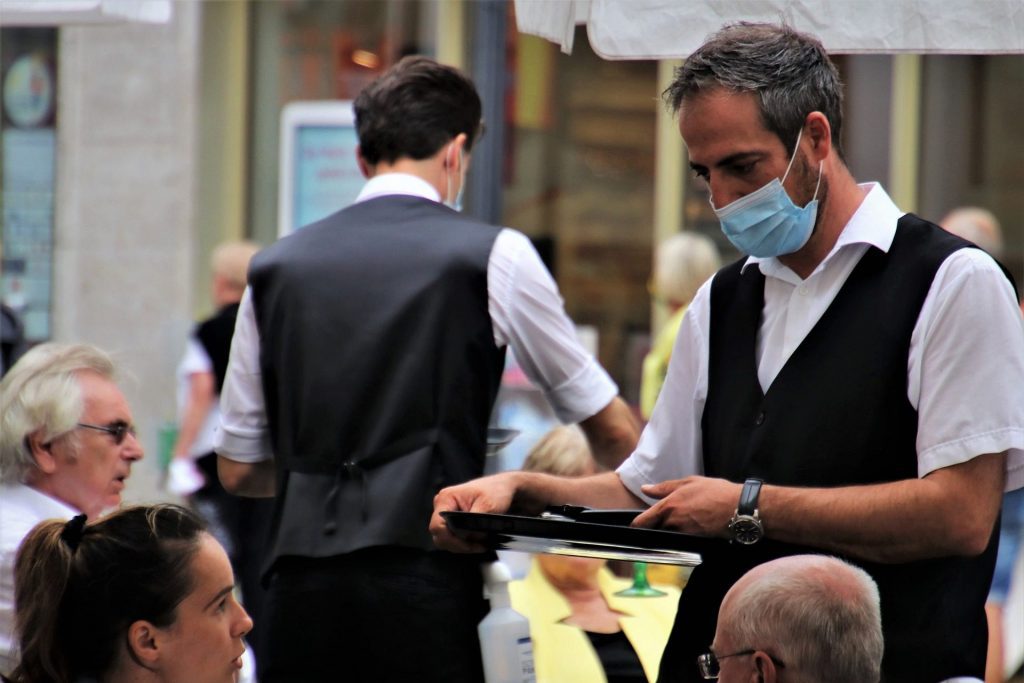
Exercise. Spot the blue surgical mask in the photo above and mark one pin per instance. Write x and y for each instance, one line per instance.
(456, 203)
(766, 222)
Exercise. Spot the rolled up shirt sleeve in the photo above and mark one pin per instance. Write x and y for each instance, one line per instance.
(243, 434)
(966, 370)
(529, 316)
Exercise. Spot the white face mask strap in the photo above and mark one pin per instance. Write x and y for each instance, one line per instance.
(793, 158)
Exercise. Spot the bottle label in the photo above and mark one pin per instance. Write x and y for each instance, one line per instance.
(525, 646)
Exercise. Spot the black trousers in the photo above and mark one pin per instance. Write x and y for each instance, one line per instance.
(378, 614)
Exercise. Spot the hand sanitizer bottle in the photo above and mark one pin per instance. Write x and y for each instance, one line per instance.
(504, 633)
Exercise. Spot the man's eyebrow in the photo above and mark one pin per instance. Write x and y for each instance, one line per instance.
(737, 158)
(219, 595)
(740, 157)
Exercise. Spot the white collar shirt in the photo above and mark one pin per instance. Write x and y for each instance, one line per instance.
(21, 508)
(965, 371)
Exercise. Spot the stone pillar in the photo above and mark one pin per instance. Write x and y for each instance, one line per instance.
(125, 206)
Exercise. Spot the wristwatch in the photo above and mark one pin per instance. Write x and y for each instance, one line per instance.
(745, 525)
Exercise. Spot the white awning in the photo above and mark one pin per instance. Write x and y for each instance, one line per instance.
(671, 29)
(64, 12)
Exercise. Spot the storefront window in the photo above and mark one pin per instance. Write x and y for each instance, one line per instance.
(318, 50)
(579, 180)
(28, 141)
(972, 143)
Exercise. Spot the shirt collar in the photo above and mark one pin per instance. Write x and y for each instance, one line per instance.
(30, 498)
(873, 224)
(397, 183)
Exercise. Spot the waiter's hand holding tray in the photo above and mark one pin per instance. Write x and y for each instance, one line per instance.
(584, 532)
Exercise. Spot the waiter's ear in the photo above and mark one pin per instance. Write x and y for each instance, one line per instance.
(452, 156)
(818, 132)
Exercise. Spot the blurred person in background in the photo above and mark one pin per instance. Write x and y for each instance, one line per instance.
(976, 225)
(803, 618)
(242, 525)
(142, 595)
(67, 446)
(682, 263)
(982, 227)
(363, 372)
(583, 632)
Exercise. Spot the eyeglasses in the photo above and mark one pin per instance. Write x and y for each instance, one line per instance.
(709, 663)
(119, 430)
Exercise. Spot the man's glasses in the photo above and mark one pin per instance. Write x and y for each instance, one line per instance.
(119, 430)
(709, 663)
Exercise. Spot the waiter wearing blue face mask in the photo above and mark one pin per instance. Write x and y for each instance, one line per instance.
(364, 367)
(854, 386)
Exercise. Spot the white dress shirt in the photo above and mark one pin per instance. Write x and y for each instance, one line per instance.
(21, 508)
(526, 311)
(965, 373)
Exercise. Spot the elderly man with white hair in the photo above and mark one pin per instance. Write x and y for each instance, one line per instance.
(67, 444)
(800, 618)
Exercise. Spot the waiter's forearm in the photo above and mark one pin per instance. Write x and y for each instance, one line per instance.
(612, 432)
(949, 512)
(252, 480)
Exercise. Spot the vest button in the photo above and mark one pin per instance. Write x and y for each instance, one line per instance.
(759, 420)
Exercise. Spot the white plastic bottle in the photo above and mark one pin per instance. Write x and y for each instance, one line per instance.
(504, 633)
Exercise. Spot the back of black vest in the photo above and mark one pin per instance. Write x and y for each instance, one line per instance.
(378, 361)
(838, 415)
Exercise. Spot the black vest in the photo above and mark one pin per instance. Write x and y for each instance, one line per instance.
(836, 415)
(215, 334)
(379, 370)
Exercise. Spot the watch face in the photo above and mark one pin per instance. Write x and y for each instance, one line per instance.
(746, 530)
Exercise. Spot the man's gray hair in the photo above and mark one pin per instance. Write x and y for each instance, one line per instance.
(789, 71)
(819, 615)
(41, 393)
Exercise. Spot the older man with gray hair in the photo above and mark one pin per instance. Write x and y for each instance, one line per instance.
(801, 618)
(67, 444)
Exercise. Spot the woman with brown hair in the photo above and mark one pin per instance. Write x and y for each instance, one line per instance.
(144, 594)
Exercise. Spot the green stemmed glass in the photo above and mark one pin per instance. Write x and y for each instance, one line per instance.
(641, 587)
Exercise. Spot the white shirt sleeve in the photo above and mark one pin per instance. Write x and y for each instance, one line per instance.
(671, 445)
(966, 369)
(243, 435)
(528, 315)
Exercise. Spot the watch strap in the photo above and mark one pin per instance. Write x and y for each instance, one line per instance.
(748, 497)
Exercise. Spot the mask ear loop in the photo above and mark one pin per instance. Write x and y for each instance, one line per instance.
(793, 157)
(821, 165)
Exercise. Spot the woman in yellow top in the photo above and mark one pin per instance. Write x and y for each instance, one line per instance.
(682, 264)
(582, 631)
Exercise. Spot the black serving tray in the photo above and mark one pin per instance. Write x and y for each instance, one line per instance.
(569, 530)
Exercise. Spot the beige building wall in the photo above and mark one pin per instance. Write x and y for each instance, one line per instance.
(126, 188)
